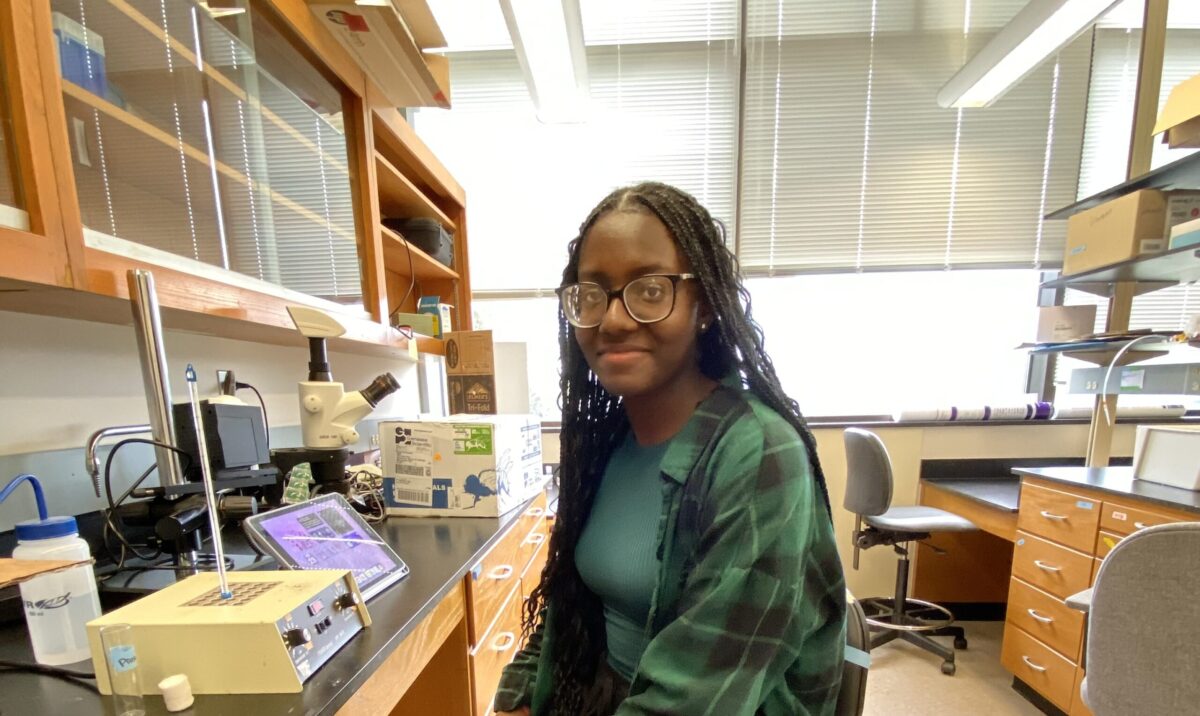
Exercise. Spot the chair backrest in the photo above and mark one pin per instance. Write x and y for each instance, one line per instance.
(1143, 649)
(852, 695)
(868, 473)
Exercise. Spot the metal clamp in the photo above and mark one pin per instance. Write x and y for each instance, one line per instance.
(502, 572)
(1040, 617)
(1052, 516)
(1031, 664)
(1047, 567)
(503, 641)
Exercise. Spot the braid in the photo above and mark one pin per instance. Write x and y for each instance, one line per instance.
(594, 422)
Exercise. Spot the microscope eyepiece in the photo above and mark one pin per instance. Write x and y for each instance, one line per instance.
(380, 388)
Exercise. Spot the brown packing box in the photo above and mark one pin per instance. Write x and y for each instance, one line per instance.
(1179, 122)
(471, 372)
(1115, 231)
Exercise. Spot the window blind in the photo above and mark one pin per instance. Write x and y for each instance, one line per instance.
(850, 164)
(661, 110)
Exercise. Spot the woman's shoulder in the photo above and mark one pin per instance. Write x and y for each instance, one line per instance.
(756, 431)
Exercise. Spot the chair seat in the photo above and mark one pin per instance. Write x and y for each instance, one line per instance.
(919, 519)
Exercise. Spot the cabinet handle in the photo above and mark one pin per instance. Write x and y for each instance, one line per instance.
(504, 571)
(1047, 567)
(1032, 664)
(536, 511)
(503, 641)
(1052, 516)
(1141, 525)
(1041, 618)
(535, 538)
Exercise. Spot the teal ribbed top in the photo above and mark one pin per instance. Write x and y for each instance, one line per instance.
(617, 552)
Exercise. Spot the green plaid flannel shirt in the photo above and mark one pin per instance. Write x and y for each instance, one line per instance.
(748, 617)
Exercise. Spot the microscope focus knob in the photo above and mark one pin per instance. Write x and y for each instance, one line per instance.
(349, 436)
(296, 637)
(312, 403)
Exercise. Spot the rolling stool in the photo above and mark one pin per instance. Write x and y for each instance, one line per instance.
(869, 497)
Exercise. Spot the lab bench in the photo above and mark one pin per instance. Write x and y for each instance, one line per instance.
(429, 649)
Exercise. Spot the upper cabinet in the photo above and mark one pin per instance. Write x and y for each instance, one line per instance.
(230, 147)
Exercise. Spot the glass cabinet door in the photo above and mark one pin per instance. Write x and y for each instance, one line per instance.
(11, 202)
(183, 142)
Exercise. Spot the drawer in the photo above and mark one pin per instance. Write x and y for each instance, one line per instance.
(1038, 665)
(1105, 541)
(533, 516)
(533, 541)
(1045, 617)
(489, 583)
(1095, 571)
(1050, 567)
(1059, 516)
(495, 650)
(533, 572)
(1078, 708)
(1125, 520)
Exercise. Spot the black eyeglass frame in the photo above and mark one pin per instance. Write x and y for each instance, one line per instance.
(620, 293)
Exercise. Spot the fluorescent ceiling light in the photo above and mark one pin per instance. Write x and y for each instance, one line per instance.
(548, 38)
(1039, 30)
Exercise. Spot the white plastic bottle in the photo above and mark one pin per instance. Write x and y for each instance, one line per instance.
(58, 605)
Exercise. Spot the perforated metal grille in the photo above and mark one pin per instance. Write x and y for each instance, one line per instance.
(243, 593)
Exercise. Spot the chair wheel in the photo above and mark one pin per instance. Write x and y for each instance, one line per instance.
(960, 643)
(948, 668)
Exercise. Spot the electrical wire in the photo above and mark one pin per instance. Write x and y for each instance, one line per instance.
(412, 283)
(77, 678)
(108, 524)
(1108, 418)
(366, 487)
(118, 526)
(263, 403)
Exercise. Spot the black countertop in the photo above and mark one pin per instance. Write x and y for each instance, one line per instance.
(439, 551)
(1003, 493)
(1118, 481)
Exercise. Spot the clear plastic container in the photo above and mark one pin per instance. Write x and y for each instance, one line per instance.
(58, 605)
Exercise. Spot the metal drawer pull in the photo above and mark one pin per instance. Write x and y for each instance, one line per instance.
(536, 512)
(1041, 618)
(1047, 567)
(504, 571)
(535, 538)
(1052, 516)
(1141, 525)
(506, 639)
(1031, 664)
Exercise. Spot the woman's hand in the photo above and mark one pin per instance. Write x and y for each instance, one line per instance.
(523, 711)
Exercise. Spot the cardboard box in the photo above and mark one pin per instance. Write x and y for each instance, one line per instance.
(80, 55)
(1168, 455)
(1117, 230)
(462, 466)
(471, 372)
(1065, 323)
(1179, 122)
(1185, 234)
(440, 312)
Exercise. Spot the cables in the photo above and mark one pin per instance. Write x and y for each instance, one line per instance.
(79, 679)
(263, 403)
(118, 526)
(366, 487)
(412, 283)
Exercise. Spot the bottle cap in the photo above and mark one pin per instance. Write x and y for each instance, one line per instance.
(48, 528)
(176, 692)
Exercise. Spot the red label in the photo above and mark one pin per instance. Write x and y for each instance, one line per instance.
(352, 22)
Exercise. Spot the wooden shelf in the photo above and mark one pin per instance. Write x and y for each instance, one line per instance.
(424, 266)
(400, 199)
(1150, 272)
(436, 346)
(1179, 174)
(77, 94)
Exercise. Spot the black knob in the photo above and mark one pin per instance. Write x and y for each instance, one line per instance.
(296, 637)
(349, 600)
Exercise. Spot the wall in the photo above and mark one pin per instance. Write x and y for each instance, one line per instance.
(61, 380)
(907, 446)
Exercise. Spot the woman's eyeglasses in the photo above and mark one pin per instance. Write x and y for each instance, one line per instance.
(647, 299)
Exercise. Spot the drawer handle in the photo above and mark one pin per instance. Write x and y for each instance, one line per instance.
(503, 641)
(535, 538)
(504, 571)
(536, 511)
(1052, 516)
(1046, 567)
(1141, 525)
(1032, 664)
(1041, 618)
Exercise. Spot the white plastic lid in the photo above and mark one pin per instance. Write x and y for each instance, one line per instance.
(176, 692)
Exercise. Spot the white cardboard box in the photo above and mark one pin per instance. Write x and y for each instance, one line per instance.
(1168, 455)
(461, 466)
(1065, 323)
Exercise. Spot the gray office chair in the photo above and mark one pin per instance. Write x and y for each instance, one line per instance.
(1143, 632)
(852, 696)
(869, 497)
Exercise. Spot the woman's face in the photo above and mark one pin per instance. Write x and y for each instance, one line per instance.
(634, 359)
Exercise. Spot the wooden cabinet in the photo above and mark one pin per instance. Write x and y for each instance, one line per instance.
(1064, 533)
(241, 156)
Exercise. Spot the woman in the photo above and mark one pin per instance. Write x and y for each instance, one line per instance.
(692, 567)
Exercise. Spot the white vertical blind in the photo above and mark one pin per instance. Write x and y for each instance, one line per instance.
(850, 164)
(662, 108)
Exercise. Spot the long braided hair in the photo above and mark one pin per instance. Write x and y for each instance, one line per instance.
(593, 422)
